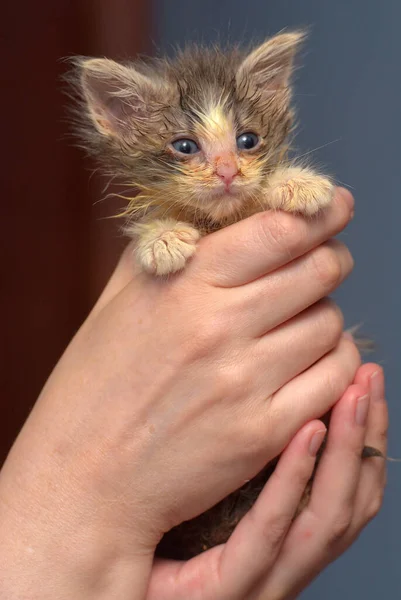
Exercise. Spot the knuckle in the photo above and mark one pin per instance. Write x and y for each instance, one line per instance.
(344, 207)
(275, 532)
(326, 266)
(230, 381)
(204, 338)
(339, 527)
(228, 378)
(336, 380)
(342, 371)
(375, 505)
(352, 357)
(347, 201)
(332, 321)
(280, 230)
(381, 435)
(251, 433)
(270, 530)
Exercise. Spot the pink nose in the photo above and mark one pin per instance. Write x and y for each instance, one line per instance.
(227, 171)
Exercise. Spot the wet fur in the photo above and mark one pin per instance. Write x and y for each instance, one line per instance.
(127, 116)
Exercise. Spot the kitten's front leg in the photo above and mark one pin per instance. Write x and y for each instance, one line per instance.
(163, 246)
(298, 189)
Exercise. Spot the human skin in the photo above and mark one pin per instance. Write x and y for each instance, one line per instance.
(271, 556)
(167, 385)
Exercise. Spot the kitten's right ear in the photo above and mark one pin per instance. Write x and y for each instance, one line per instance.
(120, 100)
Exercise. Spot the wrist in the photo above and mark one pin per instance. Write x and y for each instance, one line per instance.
(43, 563)
(22, 581)
(57, 540)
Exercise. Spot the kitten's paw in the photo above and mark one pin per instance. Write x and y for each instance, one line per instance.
(164, 247)
(299, 190)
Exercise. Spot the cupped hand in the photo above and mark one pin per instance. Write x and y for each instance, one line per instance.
(271, 556)
(170, 383)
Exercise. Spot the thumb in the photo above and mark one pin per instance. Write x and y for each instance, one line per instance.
(125, 271)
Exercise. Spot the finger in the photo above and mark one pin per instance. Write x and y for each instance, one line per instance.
(319, 530)
(266, 241)
(165, 581)
(314, 392)
(337, 476)
(372, 480)
(371, 376)
(302, 340)
(253, 547)
(270, 300)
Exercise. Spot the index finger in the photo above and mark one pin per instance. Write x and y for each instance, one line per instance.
(253, 548)
(266, 241)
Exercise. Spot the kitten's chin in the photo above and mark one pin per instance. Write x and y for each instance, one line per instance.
(224, 207)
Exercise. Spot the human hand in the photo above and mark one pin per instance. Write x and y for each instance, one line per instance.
(270, 556)
(170, 383)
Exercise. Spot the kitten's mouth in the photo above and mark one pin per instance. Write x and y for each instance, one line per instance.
(229, 191)
(223, 203)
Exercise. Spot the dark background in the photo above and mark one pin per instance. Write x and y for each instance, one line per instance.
(57, 249)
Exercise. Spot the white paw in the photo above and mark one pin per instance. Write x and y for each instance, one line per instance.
(164, 247)
(300, 190)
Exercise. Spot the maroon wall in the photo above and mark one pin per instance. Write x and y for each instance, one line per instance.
(56, 247)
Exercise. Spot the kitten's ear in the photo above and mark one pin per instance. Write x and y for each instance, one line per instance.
(120, 100)
(270, 65)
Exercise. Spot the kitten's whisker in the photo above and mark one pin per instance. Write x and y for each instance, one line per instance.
(343, 183)
(317, 148)
(184, 206)
(256, 199)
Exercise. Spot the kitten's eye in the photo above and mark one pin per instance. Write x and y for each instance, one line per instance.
(247, 141)
(185, 146)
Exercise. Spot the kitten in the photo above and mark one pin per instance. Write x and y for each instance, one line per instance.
(202, 140)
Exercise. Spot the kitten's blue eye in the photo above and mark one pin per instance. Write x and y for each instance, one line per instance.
(247, 141)
(185, 146)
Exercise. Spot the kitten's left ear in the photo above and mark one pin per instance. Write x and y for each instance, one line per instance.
(270, 65)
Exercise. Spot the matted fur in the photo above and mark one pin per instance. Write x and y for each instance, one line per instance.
(159, 99)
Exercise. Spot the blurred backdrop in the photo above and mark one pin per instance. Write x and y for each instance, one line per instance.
(58, 248)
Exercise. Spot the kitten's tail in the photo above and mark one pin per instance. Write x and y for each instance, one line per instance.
(364, 344)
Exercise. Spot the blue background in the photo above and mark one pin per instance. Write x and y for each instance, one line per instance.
(348, 95)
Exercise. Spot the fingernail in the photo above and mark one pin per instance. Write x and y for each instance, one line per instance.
(361, 411)
(316, 441)
(376, 387)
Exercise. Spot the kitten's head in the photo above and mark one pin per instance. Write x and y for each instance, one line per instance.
(199, 132)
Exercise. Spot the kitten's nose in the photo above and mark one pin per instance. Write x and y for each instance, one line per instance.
(227, 170)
